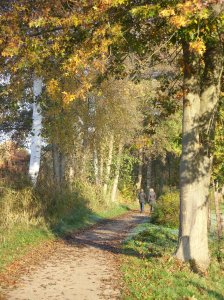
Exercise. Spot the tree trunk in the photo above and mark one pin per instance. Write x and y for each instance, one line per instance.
(83, 160)
(209, 214)
(195, 166)
(139, 182)
(101, 167)
(117, 173)
(149, 173)
(149, 176)
(71, 167)
(71, 174)
(218, 214)
(169, 170)
(58, 165)
(108, 166)
(62, 168)
(36, 139)
(96, 165)
(193, 207)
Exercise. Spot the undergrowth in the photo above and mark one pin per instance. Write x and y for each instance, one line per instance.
(165, 210)
(151, 271)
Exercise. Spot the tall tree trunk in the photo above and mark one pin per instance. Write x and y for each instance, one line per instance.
(169, 170)
(62, 167)
(108, 166)
(101, 171)
(58, 165)
(84, 150)
(117, 173)
(149, 173)
(139, 182)
(96, 165)
(71, 167)
(71, 174)
(36, 139)
(217, 197)
(195, 167)
(149, 176)
(209, 215)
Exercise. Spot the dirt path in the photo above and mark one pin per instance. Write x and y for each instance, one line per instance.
(84, 267)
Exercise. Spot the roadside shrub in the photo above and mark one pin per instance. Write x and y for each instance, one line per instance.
(19, 207)
(167, 210)
(51, 205)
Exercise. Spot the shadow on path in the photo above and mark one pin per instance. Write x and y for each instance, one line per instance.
(109, 235)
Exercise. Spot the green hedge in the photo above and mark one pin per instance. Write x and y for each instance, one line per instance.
(166, 211)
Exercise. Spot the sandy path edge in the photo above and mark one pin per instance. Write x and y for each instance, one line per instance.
(84, 266)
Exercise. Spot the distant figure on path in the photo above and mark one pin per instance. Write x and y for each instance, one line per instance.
(151, 199)
(141, 198)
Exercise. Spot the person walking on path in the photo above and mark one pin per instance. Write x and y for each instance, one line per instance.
(141, 198)
(151, 199)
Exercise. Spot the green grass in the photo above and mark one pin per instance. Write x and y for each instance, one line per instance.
(16, 241)
(151, 272)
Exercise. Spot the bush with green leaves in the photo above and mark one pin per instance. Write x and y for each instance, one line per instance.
(166, 210)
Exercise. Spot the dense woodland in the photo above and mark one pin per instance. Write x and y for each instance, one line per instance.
(101, 98)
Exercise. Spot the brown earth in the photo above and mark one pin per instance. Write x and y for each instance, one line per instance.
(83, 266)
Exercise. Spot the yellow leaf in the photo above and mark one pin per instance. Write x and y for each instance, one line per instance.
(53, 88)
(179, 21)
(198, 46)
(67, 97)
(167, 12)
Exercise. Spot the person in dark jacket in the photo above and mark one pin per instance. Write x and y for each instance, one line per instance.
(141, 198)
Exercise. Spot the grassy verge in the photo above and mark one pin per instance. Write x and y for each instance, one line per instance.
(18, 240)
(151, 272)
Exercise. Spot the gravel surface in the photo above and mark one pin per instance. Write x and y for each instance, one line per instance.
(82, 267)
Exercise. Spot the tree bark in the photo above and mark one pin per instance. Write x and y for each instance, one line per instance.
(101, 175)
(70, 166)
(218, 214)
(108, 166)
(149, 176)
(58, 165)
(209, 214)
(149, 173)
(139, 182)
(117, 173)
(169, 170)
(71, 174)
(96, 165)
(36, 140)
(200, 102)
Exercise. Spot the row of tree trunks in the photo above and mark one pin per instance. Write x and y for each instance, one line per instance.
(59, 163)
(105, 175)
